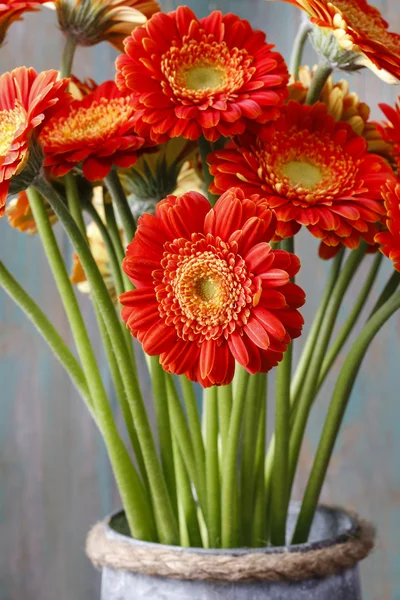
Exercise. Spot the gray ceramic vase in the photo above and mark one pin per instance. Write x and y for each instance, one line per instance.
(331, 528)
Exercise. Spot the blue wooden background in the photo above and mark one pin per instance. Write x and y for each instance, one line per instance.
(54, 474)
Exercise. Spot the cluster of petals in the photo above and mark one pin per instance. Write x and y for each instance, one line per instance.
(209, 289)
(390, 129)
(93, 133)
(313, 171)
(358, 27)
(12, 10)
(27, 100)
(390, 240)
(20, 216)
(92, 21)
(191, 77)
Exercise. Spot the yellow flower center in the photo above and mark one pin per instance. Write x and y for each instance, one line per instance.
(302, 173)
(91, 125)
(202, 69)
(207, 289)
(10, 122)
(205, 77)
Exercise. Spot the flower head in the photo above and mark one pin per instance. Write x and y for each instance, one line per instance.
(313, 171)
(92, 21)
(209, 288)
(358, 28)
(390, 239)
(192, 77)
(12, 10)
(95, 132)
(20, 215)
(27, 100)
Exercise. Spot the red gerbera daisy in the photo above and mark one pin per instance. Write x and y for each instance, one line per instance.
(313, 171)
(391, 130)
(12, 10)
(192, 77)
(209, 288)
(95, 132)
(360, 28)
(27, 101)
(390, 240)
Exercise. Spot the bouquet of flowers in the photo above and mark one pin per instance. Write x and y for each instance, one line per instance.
(182, 186)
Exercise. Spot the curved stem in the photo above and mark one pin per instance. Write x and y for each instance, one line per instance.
(165, 518)
(319, 79)
(48, 332)
(311, 380)
(335, 415)
(351, 319)
(389, 289)
(230, 529)
(298, 47)
(212, 469)
(118, 196)
(68, 56)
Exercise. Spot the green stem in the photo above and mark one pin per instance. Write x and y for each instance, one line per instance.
(298, 47)
(351, 319)
(308, 349)
(179, 423)
(196, 435)
(249, 444)
(389, 289)
(259, 530)
(212, 469)
(319, 79)
(205, 148)
(336, 413)
(118, 196)
(166, 523)
(225, 399)
(163, 426)
(113, 230)
(74, 204)
(48, 332)
(230, 529)
(189, 528)
(311, 380)
(68, 56)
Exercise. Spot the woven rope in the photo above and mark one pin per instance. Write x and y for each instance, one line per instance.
(178, 564)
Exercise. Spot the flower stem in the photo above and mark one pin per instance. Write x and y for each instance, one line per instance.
(225, 400)
(351, 319)
(68, 56)
(319, 79)
(259, 529)
(212, 469)
(205, 149)
(230, 528)
(336, 413)
(389, 289)
(165, 518)
(74, 204)
(163, 426)
(311, 379)
(48, 332)
(298, 47)
(118, 196)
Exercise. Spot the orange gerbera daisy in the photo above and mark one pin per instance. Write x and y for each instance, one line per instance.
(92, 21)
(209, 288)
(12, 10)
(390, 240)
(192, 77)
(96, 132)
(358, 28)
(27, 101)
(313, 171)
(20, 216)
(391, 129)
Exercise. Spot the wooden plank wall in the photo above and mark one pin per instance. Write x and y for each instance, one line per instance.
(54, 475)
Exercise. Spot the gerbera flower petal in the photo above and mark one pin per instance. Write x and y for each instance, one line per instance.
(204, 72)
(12, 10)
(390, 240)
(214, 305)
(311, 170)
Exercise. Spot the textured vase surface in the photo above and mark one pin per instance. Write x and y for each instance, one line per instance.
(330, 526)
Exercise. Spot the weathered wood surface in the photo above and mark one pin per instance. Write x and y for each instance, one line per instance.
(54, 475)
